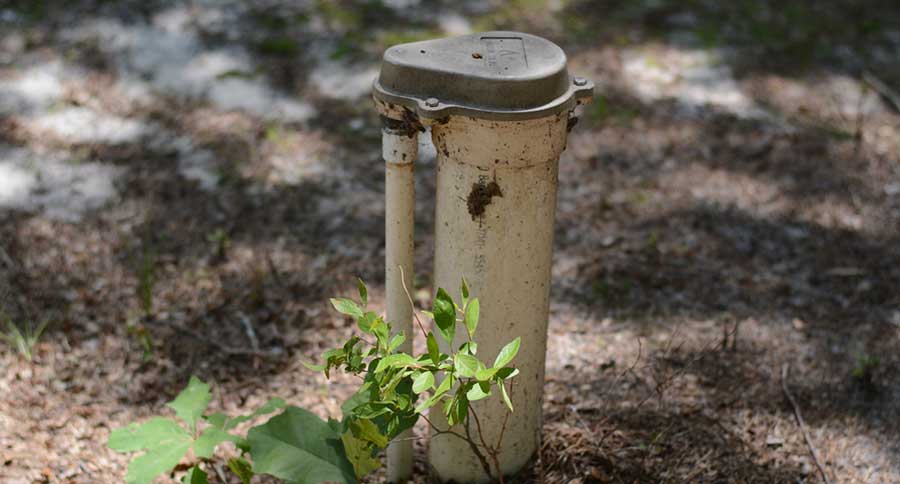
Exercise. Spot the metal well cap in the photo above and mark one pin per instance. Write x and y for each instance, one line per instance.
(490, 75)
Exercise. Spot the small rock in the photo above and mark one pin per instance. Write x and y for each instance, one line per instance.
(774, 441)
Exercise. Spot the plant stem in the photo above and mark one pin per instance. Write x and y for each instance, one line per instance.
(411, 303)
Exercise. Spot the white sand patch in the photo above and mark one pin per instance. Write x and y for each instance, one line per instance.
(340, 80)
(84, 125)
(169, 57)
(696, 78)
(454, 24)
(36, 88)
(196, 164)
(48, 183)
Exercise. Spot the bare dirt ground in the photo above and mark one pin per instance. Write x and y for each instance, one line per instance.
(183, 184)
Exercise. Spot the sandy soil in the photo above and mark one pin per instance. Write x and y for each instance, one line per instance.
(196, 178)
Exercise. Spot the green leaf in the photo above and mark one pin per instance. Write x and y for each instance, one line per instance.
(472, 312)
(507, 372)
(396, 341)
(363, 293)
(272, 405)
(195, 475)
(158, 431)
(478, 391)
(314, 367)
(346, 306)
(457, 409)
(241, 468)
(166, 443)
(485, 374)
(469, 347)
(300, 448)
(367, 430)
(445, 315)
(505, 395)
(423, 382)
(209, 439)
(157, 460)
(217, 419)
(467, 365)
(443, 388)
(433, 350)
(398, 360)
(359, 453)
(190, 404)
(507, 353)
(464, 289)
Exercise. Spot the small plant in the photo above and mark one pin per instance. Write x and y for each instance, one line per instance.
(146, 276)
(24, 340)
(221, 242)
(165, 441)
(864, 372)
(301, 448)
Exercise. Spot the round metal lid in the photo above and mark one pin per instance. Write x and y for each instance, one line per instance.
(490, 75)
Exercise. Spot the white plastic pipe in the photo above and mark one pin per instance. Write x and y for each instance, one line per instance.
(494, 217)
(399, 150)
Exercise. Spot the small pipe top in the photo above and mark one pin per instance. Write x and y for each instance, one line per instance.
(491, 75)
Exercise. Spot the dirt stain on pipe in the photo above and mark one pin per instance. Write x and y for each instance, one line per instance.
(480, 197)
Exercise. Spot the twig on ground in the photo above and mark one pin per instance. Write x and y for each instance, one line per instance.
(227, 350)
(248, 330)
(796, 408)
(883, 89)
(274, 270)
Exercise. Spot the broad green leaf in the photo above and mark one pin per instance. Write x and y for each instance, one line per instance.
(371, 410)
(428, 314)
(314, 367)
(472, 313)
(362, 396)
(506, 373)
(158, 460)
(505, 395)
(464, 289)
(457, 409)
(300, 448)
(469, 347)
(195, 475)
(382, 331)
(396, 341)
(272, 405)
(363, 293)
(439, 392)
(346, 306)
(433, 350)
(217, 419)
(359, 453)
(190, 404)
(241, 468)
(423, 382)
(398, 360)
(209, 439)
(156, 432)
(445, 315)
(365, 323)
(507, 353)
(485, 374)
(367, 430)
(478, 391)
(467, 365)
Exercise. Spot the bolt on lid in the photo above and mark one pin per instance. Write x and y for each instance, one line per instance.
(490, 75)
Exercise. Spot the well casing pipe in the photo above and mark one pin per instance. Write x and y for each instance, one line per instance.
(500, 105)
(494, 218)
(399, 150)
